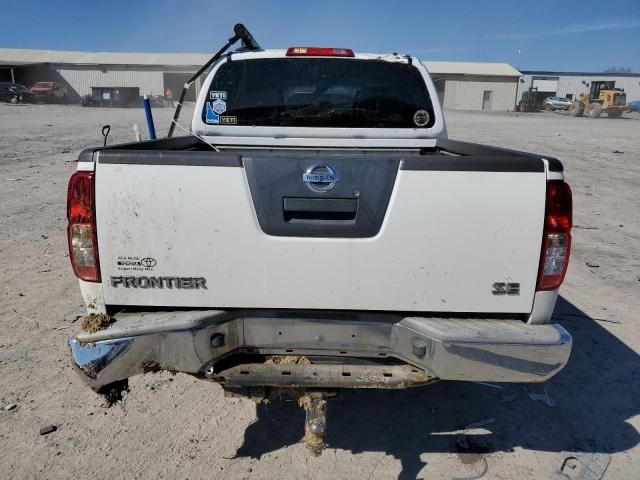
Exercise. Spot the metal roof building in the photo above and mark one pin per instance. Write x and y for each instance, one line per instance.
(475, 85)
(461, 85)
(19, 56)
(78, 72)
(571, 84)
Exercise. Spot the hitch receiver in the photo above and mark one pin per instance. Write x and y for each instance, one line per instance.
(315, 422)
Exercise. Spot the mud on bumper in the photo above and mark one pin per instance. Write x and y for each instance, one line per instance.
(366, 350)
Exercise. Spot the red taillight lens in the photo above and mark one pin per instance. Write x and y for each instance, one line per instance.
(556, 240)
(81, 229)
(319, 52)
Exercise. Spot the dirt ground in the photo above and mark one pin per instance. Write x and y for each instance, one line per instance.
(178, 427)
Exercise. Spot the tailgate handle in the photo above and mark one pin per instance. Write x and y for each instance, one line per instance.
(319, 209)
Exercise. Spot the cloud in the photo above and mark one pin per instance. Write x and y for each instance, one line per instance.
(572, 30)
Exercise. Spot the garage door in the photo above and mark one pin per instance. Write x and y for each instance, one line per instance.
(546, 84)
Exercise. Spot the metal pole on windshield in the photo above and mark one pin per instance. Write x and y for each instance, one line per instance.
(241, 33)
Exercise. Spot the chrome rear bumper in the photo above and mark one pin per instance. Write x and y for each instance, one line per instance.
(448, 349)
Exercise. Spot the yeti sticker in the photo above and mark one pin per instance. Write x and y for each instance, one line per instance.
(219, 107)
(217, 95)
(212, 116)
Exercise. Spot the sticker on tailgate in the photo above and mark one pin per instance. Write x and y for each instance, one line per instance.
(142, 264)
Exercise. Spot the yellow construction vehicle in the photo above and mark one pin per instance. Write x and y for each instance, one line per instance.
(603, 97)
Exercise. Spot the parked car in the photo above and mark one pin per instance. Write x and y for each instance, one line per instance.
(279, 247)
(14, 93)
(49, 92)
(556, 103)
(634, 106)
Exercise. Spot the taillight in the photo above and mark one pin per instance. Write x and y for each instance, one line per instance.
(319, 52)
(81, 230)
(556, 240)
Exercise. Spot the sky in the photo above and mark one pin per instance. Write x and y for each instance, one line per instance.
(564, 35)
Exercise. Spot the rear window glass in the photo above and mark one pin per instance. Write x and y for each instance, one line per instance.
(318, 92)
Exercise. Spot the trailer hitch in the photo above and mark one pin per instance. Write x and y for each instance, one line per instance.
(315, 422)
(311, 384)
(314, 404)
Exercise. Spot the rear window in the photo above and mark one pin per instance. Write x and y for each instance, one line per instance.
(318, 92)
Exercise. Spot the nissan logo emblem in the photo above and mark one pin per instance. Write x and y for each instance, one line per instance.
(320, 177)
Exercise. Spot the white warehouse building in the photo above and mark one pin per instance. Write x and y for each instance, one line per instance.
(79, 72)
(474, 85)
(571, 84)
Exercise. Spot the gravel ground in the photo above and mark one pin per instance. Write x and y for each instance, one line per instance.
(177, 427)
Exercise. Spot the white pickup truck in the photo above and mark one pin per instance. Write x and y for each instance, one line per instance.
(318, 230)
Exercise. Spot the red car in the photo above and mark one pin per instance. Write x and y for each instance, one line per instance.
(49, 92)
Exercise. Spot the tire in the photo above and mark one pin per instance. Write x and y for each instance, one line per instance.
(548, 108)
(594, 110)
(575, 110)
(13, 99)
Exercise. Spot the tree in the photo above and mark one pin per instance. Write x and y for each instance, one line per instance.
(617, 70)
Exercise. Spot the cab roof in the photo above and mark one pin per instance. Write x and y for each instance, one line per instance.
(282, 53)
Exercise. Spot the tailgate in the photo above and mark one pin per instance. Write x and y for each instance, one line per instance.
(319, 231)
